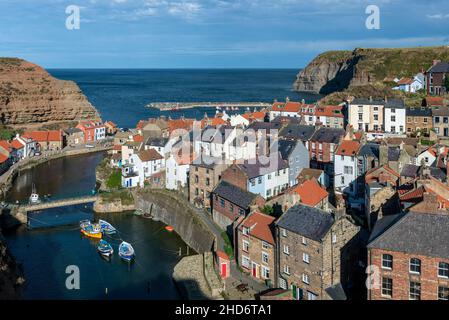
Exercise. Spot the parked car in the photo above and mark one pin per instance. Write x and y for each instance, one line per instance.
(89, 146)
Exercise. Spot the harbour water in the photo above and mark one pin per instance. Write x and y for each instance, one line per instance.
(45, 253)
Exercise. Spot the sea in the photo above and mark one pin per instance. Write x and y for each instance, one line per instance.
(121, 95)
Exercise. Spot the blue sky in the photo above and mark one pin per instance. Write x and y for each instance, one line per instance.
(210, 33)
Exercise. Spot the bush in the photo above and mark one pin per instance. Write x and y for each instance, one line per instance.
(115, 180)
(228, 245)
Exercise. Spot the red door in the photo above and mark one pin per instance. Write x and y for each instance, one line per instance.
(254, 270)
(224, 270)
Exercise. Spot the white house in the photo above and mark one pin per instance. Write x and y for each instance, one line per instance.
(345, 167)
(239, 120)
(29, 146)
(429, 156)
(395, 117)
(266, 180)
(287, 109)
(215, 142)
(177, 170)
(130, 177)
(161, 145)
(147, 163)
(366, 114)
(411, 85)
(100, 132)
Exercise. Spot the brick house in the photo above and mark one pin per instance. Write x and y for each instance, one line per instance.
(435, 78)
(314, 249)
(322, 147)
(410, 256)
(383, 175)
(204, 177)
(418, 119)
(255, 246)
(312, 194)
(230, 202)
(441, 121)
(74, 136)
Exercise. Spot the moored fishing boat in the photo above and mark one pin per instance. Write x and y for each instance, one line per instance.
(105, 249)
(84, 223)
(126, 251)
(106, 227)
(92, 231)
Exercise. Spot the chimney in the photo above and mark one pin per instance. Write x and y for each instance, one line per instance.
(371, 98)
(386, 99)
(287, 99)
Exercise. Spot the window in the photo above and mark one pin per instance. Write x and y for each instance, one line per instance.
(443, 270)
(415, 291)
(334, 238)
(443, 293)
(245, 262)
(269, 177)
(259, 180)
(376, 117)
(415, 265)
(196, 179)
(222, 203)
(231, 207)
(268, 192)
(305, 278)
(348, 170)
(207, 182)
(286, 249)
(286, 269)
(197, 192)
(387, 261)
(265, 245)
(265, 272)
(342, 180)
(264, 257)
(284, 233)
(245, 231)
(311, 296)
(387, 287)
(245, 245)
(360, 116)
(253, 182)
(393, 118)
(241, 212)
(437, 119)
(304, 241)
(306, 258)
(283, 283)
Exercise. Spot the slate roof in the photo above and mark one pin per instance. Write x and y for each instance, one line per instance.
(363, 101)
(394, 153)
(410, 171)
(418, 112)
(441, 67)
(395, 104)
(369, 150)
(440, 111)
(328, 135)
(336, 292)
(234, 194)
(286, 147)
(265, 126)
(158, 142)
(413, 233)
(257, 169)
(297, 132)
(309, 222)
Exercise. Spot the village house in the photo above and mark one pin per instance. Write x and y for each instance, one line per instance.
(419, 119)
(410, 255)
(128, 149)
(327, 116)
(177, 168)
(383, 175)
(287, 109)
(25, 146)
(130, 176)
(73, 136)
(309, 173)
(429, 156)
(111, 128)
(255, 246)
(367, 159)
(411, 85)
(160, 144)
(297, 157)
(436, 77)
(396, 156)
(297, 132)
(395, 116)
(121, 137)
(441, 121)
(312, 194)
(265, 180)
(205, 173)
(229, 202)
(366, 115)
(313, 248)
(92, 130)
(345, 167)
(147, 163)
(322, 146)
(153, 128)
(46, 140)
(215, 142)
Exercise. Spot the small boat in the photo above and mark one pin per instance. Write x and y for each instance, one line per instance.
(84, 223)
(92, 231)
(34, 197)
(169, 228)
(105, 249)
(106, 227)
(126, 251)
(146, 216)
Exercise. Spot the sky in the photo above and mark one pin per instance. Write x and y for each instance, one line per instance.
(210, 33)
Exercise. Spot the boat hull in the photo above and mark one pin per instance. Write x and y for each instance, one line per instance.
(91, 235)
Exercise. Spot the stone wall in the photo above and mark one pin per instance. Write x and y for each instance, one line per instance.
(174, 210)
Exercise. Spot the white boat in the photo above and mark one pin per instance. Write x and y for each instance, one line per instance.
(126, 251)
(84, 223)
(34, 197)
(106, 227)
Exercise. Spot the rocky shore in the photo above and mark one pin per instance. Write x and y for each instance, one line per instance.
(11, 275)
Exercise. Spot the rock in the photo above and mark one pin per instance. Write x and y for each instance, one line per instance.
(29, 94)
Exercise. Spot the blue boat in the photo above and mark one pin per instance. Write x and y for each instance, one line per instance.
(106, 227)
(105, 249)
(126, 251)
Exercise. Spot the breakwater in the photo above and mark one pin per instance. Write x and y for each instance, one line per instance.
(167, 106)
(172, 209)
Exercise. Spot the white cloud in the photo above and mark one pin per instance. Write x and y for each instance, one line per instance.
(438, 16)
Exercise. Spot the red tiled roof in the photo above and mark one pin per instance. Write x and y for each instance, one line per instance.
(138, 138)
(348, 148)
(5, 144)
(117, 147)
(44, 136)
(16, 144)
(329, 111)
(149, 155)
(413, 195)
(260, 226)
(185, 124)
(292, 107)
(311, 193)
(110, 123)
(434, 101)
(405, 81)
(254, 115)
(3, 158)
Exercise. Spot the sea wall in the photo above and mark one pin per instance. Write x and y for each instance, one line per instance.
(174, 210)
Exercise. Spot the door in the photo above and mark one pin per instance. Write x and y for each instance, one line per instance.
(255, 272)
(223, 270)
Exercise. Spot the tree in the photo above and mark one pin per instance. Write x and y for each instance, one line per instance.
(6, 134)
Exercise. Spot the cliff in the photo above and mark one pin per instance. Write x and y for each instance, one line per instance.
(29, 94)
(338, 70)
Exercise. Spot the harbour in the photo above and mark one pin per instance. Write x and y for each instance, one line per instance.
(173, 106)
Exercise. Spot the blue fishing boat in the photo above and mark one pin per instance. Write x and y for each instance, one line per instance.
(126, 251)
(105, 249)
(106, 227)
